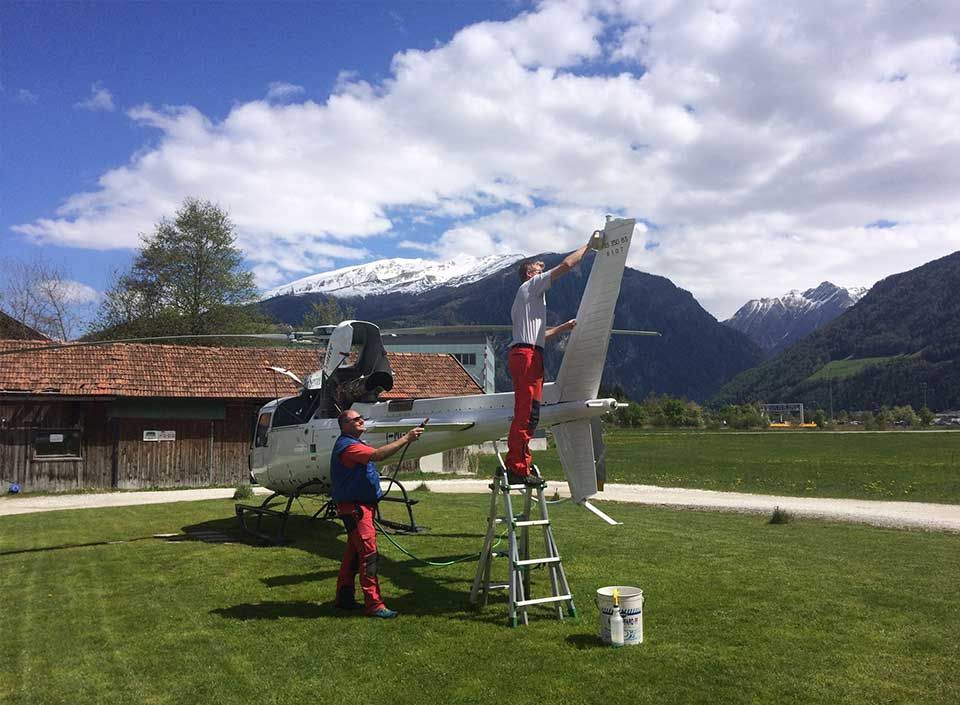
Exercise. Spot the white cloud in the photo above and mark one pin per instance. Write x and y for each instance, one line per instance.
(413, 245)
(100, 99)
(26, 97)
(74, 292)
(280, 91)
(759, 137)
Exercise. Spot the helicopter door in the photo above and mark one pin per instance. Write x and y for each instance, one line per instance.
(259, 452)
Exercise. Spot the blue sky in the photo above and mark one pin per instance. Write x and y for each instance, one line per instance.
(208, 55)
(764, 146)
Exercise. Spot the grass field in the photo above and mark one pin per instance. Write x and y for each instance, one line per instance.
(918, 467)
(95, 610)
(839, 369)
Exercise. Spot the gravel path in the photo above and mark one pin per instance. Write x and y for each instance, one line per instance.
(913, 515)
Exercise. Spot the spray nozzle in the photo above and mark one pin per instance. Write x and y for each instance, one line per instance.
(616, 597)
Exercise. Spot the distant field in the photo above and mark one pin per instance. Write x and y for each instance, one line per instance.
(96, 611)
(919, 467)
(838, 369)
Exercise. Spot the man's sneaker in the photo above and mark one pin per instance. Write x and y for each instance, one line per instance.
(384, 613)
(529, 480)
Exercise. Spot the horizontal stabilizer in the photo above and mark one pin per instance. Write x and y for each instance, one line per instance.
(404, 425)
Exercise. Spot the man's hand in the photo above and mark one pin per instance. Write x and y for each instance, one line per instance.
(413, 434)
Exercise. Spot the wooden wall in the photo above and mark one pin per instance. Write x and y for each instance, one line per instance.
(114, 454)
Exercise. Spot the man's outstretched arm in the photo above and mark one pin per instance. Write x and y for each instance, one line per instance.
(570, 261)
(562, 328)
(385, 451)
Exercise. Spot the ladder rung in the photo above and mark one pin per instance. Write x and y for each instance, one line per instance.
(532, 522)
(498, 586)
(538, 561)
(543, 600)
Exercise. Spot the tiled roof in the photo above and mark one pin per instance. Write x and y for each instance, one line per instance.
(15, 330)
(138, 370)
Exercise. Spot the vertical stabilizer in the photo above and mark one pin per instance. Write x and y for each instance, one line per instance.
(575, 448)
(582, 366)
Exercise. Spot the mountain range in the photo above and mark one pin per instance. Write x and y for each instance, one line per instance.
(394, 276)
(900, 344)
(776, 323)
(694, 357)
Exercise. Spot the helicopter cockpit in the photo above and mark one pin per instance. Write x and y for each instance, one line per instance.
(355, 369)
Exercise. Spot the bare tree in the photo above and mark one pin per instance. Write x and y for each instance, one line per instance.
(39, 294)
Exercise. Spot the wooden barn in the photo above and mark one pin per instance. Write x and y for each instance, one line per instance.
(131, 416)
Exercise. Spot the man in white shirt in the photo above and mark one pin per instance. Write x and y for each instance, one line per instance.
(525, 359)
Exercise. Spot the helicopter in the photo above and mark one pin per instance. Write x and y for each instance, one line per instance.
(294, 436)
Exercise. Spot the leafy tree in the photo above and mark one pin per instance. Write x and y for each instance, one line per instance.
(187, 278)
(926, 416)
(820, 419)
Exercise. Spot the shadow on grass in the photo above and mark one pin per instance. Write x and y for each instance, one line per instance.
(279, 610)
(61, 547)
(586, 641)
(423, 590)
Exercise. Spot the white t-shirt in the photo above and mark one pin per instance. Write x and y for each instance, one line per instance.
(529, 311)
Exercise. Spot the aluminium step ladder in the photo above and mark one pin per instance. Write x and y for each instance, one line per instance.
(518, 551)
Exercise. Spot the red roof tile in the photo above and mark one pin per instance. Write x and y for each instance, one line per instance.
(138, 370)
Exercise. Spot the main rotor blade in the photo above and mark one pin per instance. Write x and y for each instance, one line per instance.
(61, 346)
(432, 330)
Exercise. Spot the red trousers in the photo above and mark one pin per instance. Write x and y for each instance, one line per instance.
(526, 368)
(360, 554)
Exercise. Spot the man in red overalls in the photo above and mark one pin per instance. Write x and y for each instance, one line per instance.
(355, 487)
(525, 359)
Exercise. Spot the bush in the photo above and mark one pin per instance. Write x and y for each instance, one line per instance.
(243, 492)
(779, 516)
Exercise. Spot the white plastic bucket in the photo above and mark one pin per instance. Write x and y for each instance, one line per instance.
(631, 610)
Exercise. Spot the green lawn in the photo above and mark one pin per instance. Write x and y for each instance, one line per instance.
(95, 610)
(918, 467)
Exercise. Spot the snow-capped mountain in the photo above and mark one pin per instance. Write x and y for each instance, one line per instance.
(399, 275)
(776, 323)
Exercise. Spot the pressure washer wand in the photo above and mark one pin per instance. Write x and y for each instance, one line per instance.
(393, 477)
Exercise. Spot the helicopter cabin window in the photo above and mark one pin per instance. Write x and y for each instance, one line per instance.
(57, 444)
(263, 426)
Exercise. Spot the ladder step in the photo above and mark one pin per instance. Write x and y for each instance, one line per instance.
(539, 561)
(544, 600)
(532, 522)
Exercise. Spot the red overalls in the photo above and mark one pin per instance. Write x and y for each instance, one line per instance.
(360, 555)
(526, 367)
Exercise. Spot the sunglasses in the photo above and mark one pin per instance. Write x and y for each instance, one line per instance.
(356, 418)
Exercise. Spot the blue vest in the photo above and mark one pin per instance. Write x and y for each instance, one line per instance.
(354, 484)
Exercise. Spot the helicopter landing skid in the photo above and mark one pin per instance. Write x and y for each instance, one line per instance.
(265, 510)
(327, 511)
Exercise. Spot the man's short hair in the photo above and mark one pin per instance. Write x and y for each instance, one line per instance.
(524, 265)
(342, 418)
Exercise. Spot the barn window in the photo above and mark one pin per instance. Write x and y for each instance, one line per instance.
(57, 444)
